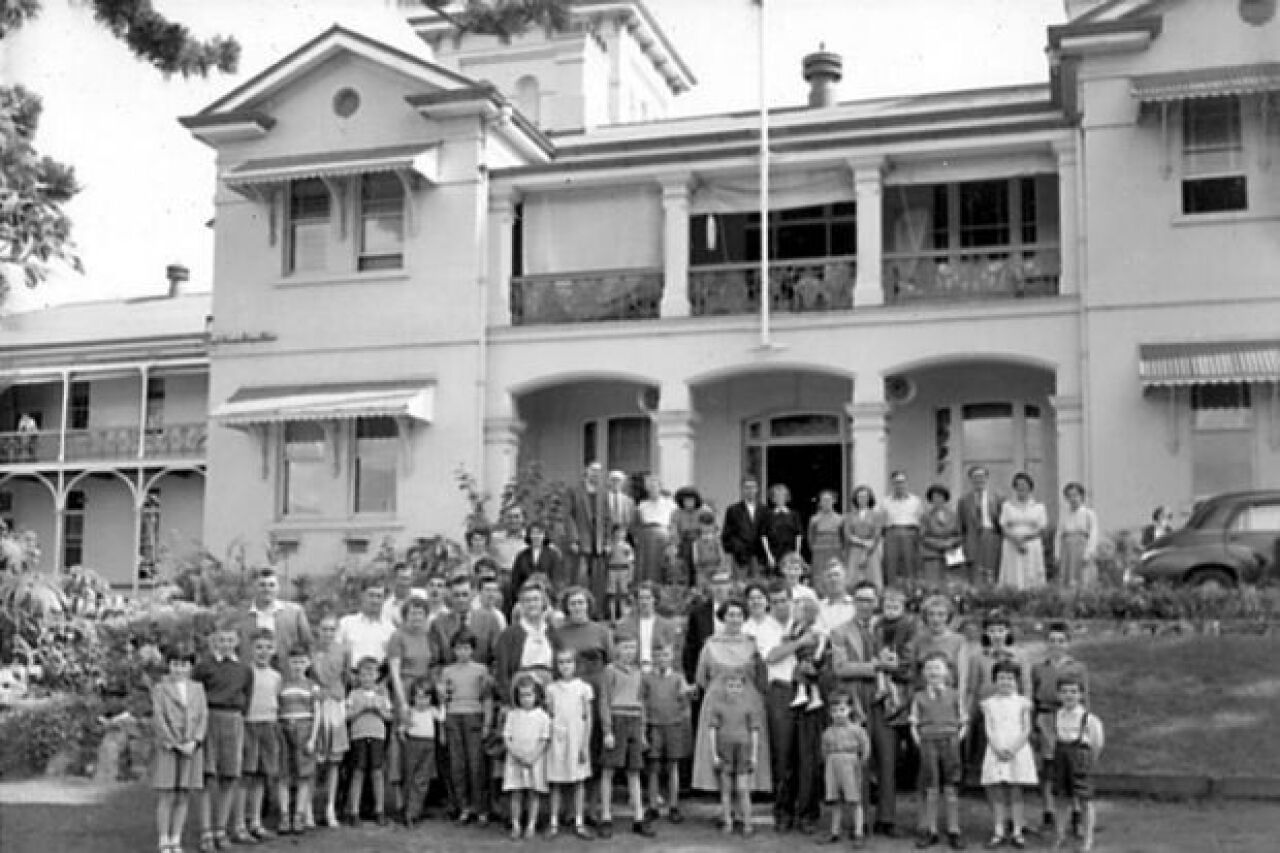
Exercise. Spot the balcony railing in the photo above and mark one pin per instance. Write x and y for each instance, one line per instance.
(586, 297)
(116, 444)
(988, 273)
(818, 284)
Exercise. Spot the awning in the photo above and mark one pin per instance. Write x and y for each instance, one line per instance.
(1207, 83)
(417, 159)
(281, 404)
(1209, 363)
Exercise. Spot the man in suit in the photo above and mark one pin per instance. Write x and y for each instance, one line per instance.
(651, 631)
(740, 534)
(286, 620)
(482, 624)
(620, 507)
(855, 661)
(703, 622)
(979, 517)
(588, 532)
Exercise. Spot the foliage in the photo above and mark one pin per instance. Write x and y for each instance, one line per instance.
(31, 736)
(502, 18)
(35, 231)
(543, 500)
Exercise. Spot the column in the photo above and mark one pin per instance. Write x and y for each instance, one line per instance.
(502, 206)
(144, 373)
(869, 421)
(674, 423)
(1069, 414)
(1068, 218)
(501, 455)
(66, 413)
(868, 177)
(675, 247)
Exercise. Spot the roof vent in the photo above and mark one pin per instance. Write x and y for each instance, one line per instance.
(822, 71)
(178, 276)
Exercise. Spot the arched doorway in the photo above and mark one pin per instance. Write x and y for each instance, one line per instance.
(806, 451)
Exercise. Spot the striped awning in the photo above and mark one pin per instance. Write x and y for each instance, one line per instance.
(283, 404)
(1209, 363)
(418, 159)
(1207, 82)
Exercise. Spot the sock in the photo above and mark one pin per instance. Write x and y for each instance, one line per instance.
(930, 811)
(953, 811)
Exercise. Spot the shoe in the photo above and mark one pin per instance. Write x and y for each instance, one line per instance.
(285, 826)
(261, 832)
(220, 840)
(605, 829)
(516, 834)
(331, 819)
(674, 815)
(726, 827)
(303, 823)
(926, 838)
(381, 820)
(748, 830)
(1076, 820)
(651, 813)
(483, 821)
(859, 842)
(582, 832)
(833, 838)
(1018, 842)
(783, 824)
(954, 841)
(552, 831)
(806, 828)
(1049, 821)
(642, 827)
(464, 818)
(410, 822)
(241, 836)
(530, 832)
(888, 830)
(996, 841)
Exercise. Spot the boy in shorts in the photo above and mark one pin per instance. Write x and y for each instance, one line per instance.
(261, 731)
(299, 730)
(368, 712)
(227, 684)
(734, 728)
(666, 711)
(845, 749)
(622, 562)
(1078, 742)
(622, 720)
(1044, 693)
(938, 724)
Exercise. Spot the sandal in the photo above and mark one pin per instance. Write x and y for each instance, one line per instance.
(208, 843)
(582, 832)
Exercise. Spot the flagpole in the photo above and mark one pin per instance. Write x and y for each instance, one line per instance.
(765, 289)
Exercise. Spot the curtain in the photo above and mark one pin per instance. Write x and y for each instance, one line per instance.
(787, 190)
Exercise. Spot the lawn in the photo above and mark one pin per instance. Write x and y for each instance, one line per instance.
(1187, 705)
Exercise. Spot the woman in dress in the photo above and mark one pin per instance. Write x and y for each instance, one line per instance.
(685, 528)
(939, 533)
(780, 529)
(592, 646)
(863, 527)
(729, 651)
(1022, 522)
(653, 517)
(1076, 543)
(826, 538)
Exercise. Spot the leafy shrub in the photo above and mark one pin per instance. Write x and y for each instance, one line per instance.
(31, 736)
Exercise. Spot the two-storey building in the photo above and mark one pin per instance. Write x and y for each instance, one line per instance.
(418, 273)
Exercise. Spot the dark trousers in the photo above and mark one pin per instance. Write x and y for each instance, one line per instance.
(901, 555)
(884, 757)
(417, 769)
(809, 726)
(593, 573)
(782, 748)
(468, 769)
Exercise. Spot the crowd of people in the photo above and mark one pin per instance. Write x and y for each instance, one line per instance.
(534, 669)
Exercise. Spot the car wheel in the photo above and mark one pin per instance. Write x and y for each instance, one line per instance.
(1211, 579)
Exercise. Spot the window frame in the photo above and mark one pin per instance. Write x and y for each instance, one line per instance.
(1235, 154)
(284, 471)
(292, 219)
(79, 404)
(366, 261)
(352, 470)
(601, 430)
(73, 535)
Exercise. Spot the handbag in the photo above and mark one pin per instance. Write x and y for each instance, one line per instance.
(954, 556)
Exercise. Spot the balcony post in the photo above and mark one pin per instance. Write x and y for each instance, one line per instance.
(66, 408)
(502, 454)
(869, 422)
(1069, 414)
(674, 425)
(1068, 217)
(868, 178)
(675, 247)
(144, 372)
(502, 206)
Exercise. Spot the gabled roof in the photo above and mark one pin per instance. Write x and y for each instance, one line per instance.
(333, 41)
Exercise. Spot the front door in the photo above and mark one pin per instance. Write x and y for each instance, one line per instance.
(805, 469)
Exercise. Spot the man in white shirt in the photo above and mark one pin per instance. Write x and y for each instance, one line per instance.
(366, 634)
(643, 622)
(402, 589)
(978, 513)
(837, 608)
(286, 620)
(902, 511)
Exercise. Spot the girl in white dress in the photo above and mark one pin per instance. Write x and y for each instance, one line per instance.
(527, 732)
(568, 758)
(1009, 763)
(1022, 521)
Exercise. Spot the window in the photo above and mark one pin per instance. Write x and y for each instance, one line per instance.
(377, 446)
(155, 405)
(1226, 406)
(308, 231)
(820, 231)
(149, 547)
(1213, 163)
(627, 443)
(381, 222)
(1004, 437)
(304, 471)
(1260, 517)
(1221, 438)
(529, 98)
(73, 529)
(78, 407)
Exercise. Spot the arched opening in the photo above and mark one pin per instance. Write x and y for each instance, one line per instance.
(171, 517)
(529, 98)
(98, 524)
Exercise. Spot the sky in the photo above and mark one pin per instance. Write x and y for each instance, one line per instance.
(148, 184)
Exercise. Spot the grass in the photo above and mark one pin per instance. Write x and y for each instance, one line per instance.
(1187, 705)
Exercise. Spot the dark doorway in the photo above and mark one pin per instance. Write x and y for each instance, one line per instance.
(806, 469)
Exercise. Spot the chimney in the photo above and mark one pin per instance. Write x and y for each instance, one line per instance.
(178, 276)
(822, 71)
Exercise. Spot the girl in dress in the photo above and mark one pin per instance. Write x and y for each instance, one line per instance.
(527, 733)
(179, 719)
(1022, 520)
(1008, 764)
(826, 540)
(328, 670)
(1077, 540)
(569, 701)
(863, 527)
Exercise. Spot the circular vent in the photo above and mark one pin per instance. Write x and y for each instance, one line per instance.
(346, 102)
(899, 390)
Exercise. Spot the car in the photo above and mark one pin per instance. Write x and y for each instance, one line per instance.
(1230, 539)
